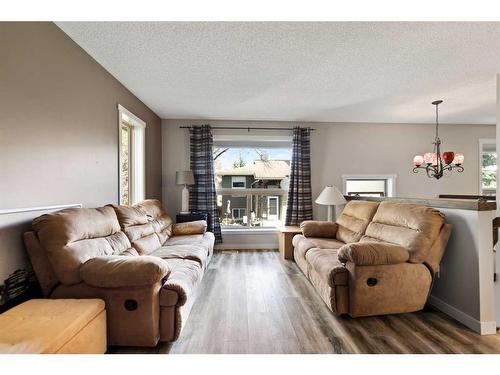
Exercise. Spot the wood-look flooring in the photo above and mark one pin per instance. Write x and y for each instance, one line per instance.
(256, 302)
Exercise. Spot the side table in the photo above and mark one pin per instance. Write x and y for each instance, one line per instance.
(285, 240)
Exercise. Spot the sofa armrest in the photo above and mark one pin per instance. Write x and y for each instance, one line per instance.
(323, 229)
(373, 253)
(190, 227)
(123, 271)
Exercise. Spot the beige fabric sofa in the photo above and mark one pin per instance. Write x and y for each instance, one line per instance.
(145, 268)
(378, 258)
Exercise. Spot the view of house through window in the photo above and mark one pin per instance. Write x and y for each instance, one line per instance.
(252, 186)
(131, 156)
(125, 163)
(488, 173)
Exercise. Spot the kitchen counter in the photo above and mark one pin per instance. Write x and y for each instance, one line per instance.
(460, 204)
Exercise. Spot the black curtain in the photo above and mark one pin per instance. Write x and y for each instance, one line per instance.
(299, 205)
(203, 196)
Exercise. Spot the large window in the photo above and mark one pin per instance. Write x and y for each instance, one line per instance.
(252, 185)
(131, 157)
(488, 167)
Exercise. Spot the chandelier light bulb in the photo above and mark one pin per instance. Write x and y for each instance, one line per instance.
(429, 158)
(458, 159)
(448, 157)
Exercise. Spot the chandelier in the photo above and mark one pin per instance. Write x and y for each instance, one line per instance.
(435, 163)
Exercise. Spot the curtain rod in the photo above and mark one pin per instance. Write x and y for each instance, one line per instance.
(242, 128)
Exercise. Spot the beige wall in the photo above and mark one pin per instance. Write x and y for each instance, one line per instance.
(354, 148)
(58, 122)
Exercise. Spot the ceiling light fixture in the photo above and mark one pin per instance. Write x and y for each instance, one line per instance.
(435, 163)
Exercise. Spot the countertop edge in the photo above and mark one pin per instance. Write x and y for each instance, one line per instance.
(460, 204)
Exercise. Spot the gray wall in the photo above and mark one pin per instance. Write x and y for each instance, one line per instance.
(59, 130)
(352, 148)
(59, 122)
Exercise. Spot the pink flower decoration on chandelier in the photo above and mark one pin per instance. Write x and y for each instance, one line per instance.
(430, 158)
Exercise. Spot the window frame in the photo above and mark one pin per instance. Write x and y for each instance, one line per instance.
(240, 139)
(123, 126)
(242, 179)
(483, 142)
(137, 156)
(390, 179)
(240, 210)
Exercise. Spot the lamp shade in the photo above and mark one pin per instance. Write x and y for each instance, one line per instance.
(184, 178)
(330, 196)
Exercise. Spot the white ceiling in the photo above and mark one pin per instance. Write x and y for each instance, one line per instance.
(341, 72)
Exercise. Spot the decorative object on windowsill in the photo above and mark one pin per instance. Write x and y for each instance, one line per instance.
(184, 178)
(435, 163)
(330, 196)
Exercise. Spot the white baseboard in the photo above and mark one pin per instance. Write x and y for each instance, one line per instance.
(269, 246)
(483, 328)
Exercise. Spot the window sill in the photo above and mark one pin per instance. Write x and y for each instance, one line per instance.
(253, 231)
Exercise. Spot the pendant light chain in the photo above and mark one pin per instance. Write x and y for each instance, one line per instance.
(437, 121)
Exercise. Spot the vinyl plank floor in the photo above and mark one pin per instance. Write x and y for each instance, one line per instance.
(255, 302)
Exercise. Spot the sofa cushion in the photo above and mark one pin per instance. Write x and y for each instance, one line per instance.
(120, 271)
(188, 228)
(301, 245)
(326, 243)
(354, 219)
(373, 253)
(322, 229)
(41, 264)
(184, 276)
(146, 224)
(205, 240)
(412, 226)
(190, 251)
(326, 264)
(75, 235)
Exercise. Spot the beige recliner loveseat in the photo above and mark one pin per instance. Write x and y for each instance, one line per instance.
(377, 258)
(145, 268)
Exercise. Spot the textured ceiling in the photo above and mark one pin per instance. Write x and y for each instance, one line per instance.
(341, 72)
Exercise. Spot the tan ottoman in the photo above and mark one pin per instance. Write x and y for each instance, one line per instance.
(68, 326)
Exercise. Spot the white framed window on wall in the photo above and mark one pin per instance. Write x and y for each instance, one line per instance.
(131, 157)
(369, 185)
(238, 182)
(487, 166)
